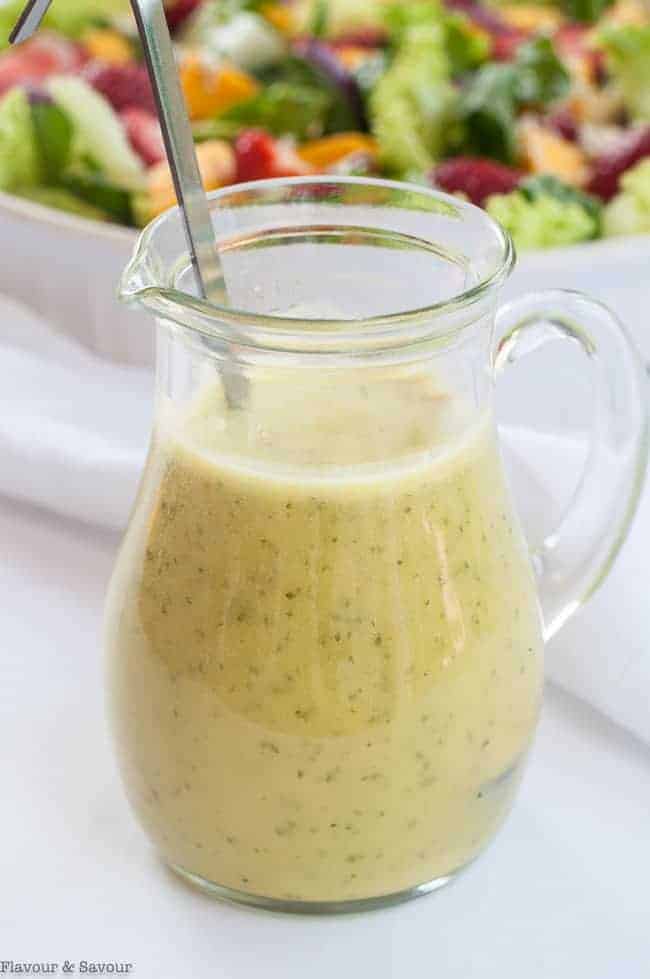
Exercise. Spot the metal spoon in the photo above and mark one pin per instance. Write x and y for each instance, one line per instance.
(179, 144)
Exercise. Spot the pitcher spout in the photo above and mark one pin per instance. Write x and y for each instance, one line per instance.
(150, 276)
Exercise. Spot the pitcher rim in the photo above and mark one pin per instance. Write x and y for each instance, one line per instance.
(291, 334)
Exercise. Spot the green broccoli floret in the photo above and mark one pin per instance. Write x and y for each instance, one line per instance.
(627, 50)
(414, 104)
(20, 164)
(629, 212)
(543, 213)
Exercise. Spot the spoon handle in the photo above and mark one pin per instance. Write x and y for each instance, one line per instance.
(175, 126)
(31, 16)
(181, 154)
(179, 143)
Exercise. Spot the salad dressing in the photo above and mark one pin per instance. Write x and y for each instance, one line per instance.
(323, 638)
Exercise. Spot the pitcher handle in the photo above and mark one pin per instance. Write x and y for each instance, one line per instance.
(574, 558)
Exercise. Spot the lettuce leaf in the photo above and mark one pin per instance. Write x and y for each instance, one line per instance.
(20, 164)
(496, 92)
(540, 76)
(63, 200)
(585, 11)
(53, 131)
(333, 18)
(283, 108)
(466, 47)
(312, 73)
(98, 132)
(413, 106)
(488, 109)
(627, 50)
(97, 192)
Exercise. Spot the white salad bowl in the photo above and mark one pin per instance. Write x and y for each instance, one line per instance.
(66, 268)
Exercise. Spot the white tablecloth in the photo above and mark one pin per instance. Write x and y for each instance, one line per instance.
(562, 894)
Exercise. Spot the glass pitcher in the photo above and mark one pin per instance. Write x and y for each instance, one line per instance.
(324, 629)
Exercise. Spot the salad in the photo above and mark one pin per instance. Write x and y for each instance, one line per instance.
(538, 112)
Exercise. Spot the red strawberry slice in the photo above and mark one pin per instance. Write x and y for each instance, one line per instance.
(123, 85)
(260, 157)
(37, 59)
(143, 131)
(177, 12)
(608, 169)
(475, 177)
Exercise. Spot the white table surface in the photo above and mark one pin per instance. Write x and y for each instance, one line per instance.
(563, 894)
